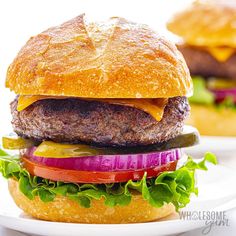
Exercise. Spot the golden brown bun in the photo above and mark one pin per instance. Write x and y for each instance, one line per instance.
(207, 23)
(213, 121)
(113, 59)
(63, 209)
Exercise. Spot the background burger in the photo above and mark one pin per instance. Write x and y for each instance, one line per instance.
(208, 33)
(99, 115)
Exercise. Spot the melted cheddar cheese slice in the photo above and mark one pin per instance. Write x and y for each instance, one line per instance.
(154, 107)
(220, 53)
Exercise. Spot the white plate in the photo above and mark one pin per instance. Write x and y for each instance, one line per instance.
(216, 192)
(215, 144)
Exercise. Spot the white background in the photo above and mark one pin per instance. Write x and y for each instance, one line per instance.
(21, 19)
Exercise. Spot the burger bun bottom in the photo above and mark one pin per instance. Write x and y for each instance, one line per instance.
(63, 209)
(213, 121)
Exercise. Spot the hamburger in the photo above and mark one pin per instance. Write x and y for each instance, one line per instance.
(99, 125)
(207, 31)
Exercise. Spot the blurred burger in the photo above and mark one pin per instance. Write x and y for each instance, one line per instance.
(208, 32)
(99, 115)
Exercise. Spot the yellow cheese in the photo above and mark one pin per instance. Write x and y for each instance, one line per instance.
(220, 53)
(25, 101)
(154, 107)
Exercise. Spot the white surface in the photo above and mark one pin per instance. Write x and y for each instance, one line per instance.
(218, 145)
(215, 193)
(21, 19)
(9, 232)
(215, 231)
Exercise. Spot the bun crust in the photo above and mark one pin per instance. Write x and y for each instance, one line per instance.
(63, 209)
(206, 23)
(212, 121)
(112, 59)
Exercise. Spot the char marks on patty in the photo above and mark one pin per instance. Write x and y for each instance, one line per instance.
(75, 120)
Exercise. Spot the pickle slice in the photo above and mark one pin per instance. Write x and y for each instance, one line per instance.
(59, 150)
(49, 149)
(189, 137)
(220, 83)
(16, 142)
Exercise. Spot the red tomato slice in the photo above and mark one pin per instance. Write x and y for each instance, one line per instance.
(75, 176)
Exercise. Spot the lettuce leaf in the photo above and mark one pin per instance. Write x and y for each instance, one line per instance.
(169, 187)
(227, 103)
(201, 94)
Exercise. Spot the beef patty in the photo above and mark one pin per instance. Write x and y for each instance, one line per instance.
(202, 63)
(75, 120)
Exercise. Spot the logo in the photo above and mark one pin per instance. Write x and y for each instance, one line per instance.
(211, 219)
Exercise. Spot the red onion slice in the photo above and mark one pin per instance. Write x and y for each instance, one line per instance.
(109, 162)
(221, 94)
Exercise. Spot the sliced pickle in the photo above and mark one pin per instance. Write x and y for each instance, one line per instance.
(49, 149)
(16, 142)
(189, 137)
(219, 83)
(59, 150)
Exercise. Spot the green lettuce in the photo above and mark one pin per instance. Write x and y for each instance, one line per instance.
(169, 187)
(201, 94)
(228, 103)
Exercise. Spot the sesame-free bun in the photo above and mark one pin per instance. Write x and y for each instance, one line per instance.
(112, 59)
(62, 209)
(213, 121)
(209, 23)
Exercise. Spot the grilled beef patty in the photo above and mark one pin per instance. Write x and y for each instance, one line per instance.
(75, 120)
(202, 63)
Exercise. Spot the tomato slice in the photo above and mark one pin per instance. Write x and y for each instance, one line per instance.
(75, 176)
